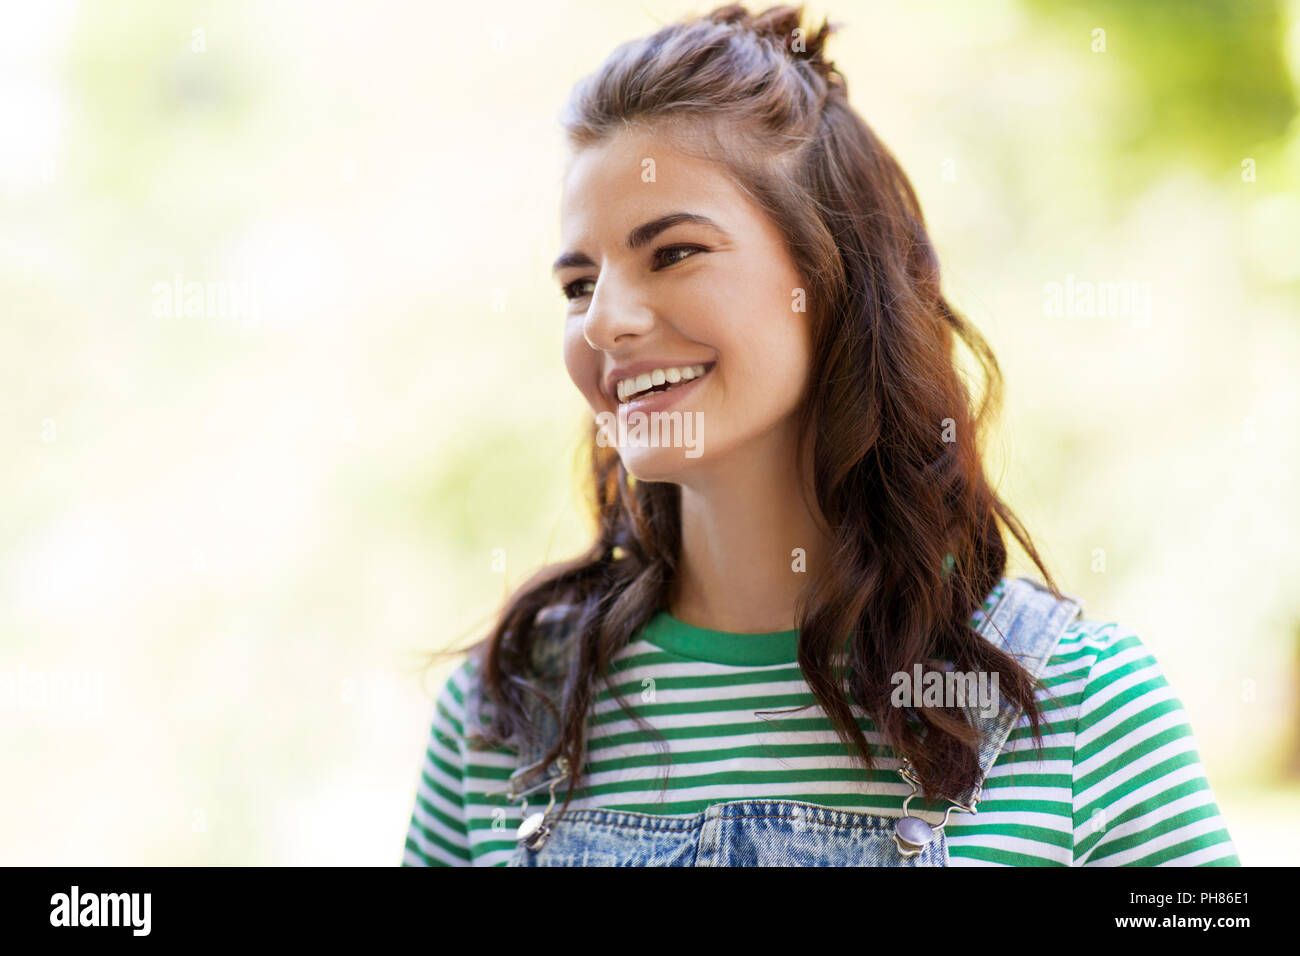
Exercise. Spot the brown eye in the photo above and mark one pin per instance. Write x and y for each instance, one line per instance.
(667, 252)
(571, 290)
(664, 256)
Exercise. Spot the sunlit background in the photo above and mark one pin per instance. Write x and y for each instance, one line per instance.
(284, 405)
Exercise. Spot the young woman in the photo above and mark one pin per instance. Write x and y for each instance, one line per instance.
(793, 641)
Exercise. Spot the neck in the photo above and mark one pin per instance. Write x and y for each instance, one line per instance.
(750, 540)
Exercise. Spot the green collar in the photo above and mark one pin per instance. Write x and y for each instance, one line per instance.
(721, 647)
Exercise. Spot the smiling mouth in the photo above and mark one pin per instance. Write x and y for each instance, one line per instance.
(660, 380)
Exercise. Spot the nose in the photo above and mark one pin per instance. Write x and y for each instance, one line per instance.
(617, 309)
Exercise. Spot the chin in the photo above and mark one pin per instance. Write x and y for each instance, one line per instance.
(659, 446)
(659, 464)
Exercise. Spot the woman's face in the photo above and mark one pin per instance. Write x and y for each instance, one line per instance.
(650, 296)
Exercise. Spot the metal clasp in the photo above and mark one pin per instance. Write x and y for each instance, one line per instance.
(511, 794)
(912, 834)
(536, 827)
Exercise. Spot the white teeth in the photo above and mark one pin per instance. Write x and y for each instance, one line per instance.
(629, 387)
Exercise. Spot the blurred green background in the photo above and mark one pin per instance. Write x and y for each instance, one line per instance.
(233, 519)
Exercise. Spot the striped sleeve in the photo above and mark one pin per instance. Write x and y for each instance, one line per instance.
(438, 835)
(1141, 796)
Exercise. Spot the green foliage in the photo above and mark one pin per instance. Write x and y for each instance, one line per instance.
(1206, 80)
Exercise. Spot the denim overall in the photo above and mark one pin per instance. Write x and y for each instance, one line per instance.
(1027, 621)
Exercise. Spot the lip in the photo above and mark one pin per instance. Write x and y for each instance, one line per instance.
(621, 372)
(658, 401)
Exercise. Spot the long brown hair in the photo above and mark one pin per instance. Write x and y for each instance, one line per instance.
(895, 440)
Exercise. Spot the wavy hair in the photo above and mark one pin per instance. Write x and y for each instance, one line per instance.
(916, 545)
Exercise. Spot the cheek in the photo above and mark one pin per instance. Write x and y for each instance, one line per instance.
(779, 366)
(786, 347)
(767, 358)
(757, 323)
(581, 360)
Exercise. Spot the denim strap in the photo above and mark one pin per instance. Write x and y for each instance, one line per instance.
(1027, 622)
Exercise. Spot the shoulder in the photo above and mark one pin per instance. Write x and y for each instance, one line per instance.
(552, 645)
(462, 704)
(452, 704)
(1127, 708)
(1141, 795)
(1110, 651)
(1113, 678)
(1027, 619)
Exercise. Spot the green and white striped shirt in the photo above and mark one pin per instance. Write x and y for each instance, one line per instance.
(1121, 783)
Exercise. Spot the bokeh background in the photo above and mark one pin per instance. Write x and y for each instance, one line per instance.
(284, 406)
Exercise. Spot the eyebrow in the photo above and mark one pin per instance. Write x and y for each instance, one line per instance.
(640, 236)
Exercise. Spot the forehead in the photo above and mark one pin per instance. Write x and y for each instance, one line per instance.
(636, 175)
